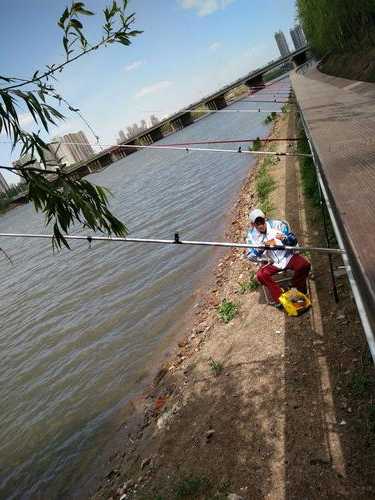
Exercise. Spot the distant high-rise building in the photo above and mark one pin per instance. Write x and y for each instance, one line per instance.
(3, 184)
(282, 44)
(62, 151)
(122, 136)
(154, 120)
(72, 148)
(298, 37)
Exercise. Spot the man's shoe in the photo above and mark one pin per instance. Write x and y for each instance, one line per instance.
(278, 306)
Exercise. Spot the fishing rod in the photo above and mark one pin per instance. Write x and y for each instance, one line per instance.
(275, 87)
(275, 91)
(186, 149)
(270, 101)
(206, 110)
(175, 241)
(230, 141)
(214, 150)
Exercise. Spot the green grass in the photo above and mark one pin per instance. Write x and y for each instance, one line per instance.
(4, 204)
(310, 184)
(264, 184)
(266, 207)
(191, 487)
(249, 286)
(371, 418)
(276, 72)
(360, 384)
(227, 310)
(337, 25)
(215, 366)
(270, 118)
(256, 145)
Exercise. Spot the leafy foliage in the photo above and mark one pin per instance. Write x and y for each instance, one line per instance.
(62, 199)
(270, 118)
(310, 183)
(256, 145)
(191, 487)
(5, 198)
(265, 184)
(249, 286)
(337, 24)
(227, 310)
(65, 200)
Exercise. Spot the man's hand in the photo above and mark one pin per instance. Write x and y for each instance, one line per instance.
(280, 236)
(270, 243)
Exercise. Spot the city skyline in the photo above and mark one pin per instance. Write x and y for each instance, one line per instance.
(161, 70)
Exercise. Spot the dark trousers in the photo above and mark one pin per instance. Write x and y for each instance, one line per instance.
(297, 263)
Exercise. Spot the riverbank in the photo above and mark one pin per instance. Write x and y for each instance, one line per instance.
(264, 406)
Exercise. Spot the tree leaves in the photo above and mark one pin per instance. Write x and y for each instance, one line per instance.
(116, 26)
(65, 201)
(336, 24)
(62, 199)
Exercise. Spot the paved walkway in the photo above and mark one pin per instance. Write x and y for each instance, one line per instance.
(340, 115)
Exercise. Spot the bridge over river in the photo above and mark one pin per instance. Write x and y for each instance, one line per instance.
(179, 120)
(183, 118)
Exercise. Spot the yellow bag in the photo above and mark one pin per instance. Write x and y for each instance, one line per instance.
(294, 302)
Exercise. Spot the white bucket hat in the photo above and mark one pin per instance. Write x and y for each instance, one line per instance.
(256, 214)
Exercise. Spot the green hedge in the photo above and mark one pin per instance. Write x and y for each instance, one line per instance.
(337, 24)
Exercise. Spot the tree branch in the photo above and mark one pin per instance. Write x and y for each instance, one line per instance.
(58, 68)
(32, 169)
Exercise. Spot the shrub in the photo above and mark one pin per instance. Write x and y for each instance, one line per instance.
(227, 310)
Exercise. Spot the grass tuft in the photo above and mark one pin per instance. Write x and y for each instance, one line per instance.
(249, 286)
(227, 310)
(308, 174)
(371, 418)
(215, 366)
(255, 145)
(191, 487)
(270, 118)
(360, 384)
(264, 183)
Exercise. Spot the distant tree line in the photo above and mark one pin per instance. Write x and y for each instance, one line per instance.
(337, 24)
(5, 197)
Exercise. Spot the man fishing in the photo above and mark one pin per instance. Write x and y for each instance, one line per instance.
(272, 233)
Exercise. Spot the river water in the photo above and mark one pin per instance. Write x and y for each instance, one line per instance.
(81, 328)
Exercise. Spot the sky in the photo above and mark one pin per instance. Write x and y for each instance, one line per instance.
(188, 49)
